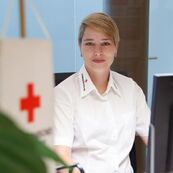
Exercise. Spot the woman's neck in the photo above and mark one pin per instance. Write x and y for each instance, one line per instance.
(100, 80)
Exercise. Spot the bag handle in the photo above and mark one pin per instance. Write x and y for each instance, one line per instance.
(38, 17)
(6, 20)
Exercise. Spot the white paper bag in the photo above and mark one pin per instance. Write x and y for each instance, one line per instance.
(26, 85)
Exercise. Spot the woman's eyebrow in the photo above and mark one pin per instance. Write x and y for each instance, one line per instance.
(106, 39)
(88, 39)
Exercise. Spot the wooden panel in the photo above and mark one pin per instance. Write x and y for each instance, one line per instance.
(131, 17)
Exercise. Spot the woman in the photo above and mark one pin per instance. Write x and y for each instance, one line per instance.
(98, 111)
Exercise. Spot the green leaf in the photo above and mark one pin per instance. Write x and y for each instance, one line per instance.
(44, 151)
(20, 151)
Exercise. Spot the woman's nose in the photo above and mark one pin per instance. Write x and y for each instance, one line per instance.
(98, 50)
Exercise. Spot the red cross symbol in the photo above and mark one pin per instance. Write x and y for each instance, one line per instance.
(30, 102)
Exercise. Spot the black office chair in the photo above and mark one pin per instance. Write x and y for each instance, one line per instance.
(59, 77)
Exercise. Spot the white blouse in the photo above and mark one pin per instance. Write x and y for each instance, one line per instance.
(100, 129)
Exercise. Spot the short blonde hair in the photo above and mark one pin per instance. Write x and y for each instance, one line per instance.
(102, 23)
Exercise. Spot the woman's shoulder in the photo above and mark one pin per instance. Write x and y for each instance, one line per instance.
(68, 85)
(122, 80)
(121, 76)
(125, 82)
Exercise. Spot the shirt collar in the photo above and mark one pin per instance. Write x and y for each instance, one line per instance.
(86, 85)
(113, 84)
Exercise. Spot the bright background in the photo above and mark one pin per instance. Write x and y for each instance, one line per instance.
(62, 19)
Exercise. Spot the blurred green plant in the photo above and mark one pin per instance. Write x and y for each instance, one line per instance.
(20, 151)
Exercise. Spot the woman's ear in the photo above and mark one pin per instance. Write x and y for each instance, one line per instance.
(116, 49)
(80, 51)
(79, 44)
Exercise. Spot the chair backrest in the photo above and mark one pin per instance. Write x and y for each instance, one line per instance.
(59, 77)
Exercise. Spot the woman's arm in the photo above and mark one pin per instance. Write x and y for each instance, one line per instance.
(145, 140)
(65, 153)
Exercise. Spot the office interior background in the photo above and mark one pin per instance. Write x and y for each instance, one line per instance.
(63, 18)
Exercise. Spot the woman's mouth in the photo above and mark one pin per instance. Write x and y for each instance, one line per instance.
(98, 60)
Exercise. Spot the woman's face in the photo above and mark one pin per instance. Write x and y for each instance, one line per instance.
(98, 50)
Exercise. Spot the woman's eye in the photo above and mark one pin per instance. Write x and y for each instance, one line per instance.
(105, 44)
(89, 43)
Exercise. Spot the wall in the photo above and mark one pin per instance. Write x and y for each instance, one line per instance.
(160, 40)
